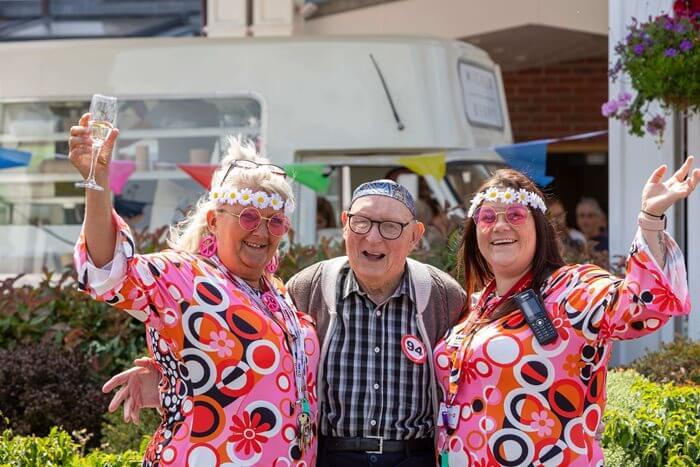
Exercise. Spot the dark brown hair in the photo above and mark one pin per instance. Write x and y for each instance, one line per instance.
(477, 272)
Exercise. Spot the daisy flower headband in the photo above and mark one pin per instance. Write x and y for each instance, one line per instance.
(507, 196)
(248, 197)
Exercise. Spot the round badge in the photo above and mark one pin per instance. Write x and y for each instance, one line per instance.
(414, 349)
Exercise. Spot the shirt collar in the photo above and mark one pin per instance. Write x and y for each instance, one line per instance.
(404, 288)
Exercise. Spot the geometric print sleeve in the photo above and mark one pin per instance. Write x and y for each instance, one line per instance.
(648, 296)
(127, 282)
(601, 306)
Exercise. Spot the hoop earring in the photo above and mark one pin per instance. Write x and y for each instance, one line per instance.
(207, 245)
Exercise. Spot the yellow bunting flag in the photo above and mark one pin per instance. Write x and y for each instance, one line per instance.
(426, 164)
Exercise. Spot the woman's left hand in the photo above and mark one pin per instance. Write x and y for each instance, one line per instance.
(658, 196)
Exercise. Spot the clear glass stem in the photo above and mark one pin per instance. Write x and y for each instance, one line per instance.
(93, 160)
(90, 182)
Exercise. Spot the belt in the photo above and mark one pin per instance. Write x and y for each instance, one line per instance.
(376, 445)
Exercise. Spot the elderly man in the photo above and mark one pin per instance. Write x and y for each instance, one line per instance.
(378, 316)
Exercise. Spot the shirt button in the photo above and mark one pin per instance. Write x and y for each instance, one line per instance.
(376, 349)
(375, 385)
(373, 422)
(378, 313)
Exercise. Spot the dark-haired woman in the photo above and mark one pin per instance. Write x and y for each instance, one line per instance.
(511, 399)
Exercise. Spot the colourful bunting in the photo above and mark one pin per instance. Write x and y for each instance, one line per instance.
(13, 158)
(200, 173)
(530, 158)
(314, 176)
(426, 164)
(119, 173)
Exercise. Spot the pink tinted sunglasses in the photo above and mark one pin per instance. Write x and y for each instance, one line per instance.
(250, 218)
(515, 215)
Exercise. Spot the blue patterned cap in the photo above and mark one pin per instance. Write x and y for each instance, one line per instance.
(388, 188)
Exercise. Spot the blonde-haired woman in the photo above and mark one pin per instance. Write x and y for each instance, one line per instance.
(237, 361)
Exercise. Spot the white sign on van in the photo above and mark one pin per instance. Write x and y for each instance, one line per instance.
(480, 94)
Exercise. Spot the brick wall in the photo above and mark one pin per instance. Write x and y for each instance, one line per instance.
(557, 100)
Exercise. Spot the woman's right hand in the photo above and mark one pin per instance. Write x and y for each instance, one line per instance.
(80, 151)
(138, 389)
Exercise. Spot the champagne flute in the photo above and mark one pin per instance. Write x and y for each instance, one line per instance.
(103, 117)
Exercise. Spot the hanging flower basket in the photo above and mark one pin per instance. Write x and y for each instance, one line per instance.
(661, 57)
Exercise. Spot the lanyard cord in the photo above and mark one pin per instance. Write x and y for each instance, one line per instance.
(293, 332)
(482, 314)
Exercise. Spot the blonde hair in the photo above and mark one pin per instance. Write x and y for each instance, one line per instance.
(187, 234)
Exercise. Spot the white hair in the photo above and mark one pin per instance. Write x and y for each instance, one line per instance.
(187, 234)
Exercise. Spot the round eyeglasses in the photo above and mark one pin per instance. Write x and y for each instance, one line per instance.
(389, 230)
(250, 218)
(515, 215)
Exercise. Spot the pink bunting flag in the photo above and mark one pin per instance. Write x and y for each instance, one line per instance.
(119, 173)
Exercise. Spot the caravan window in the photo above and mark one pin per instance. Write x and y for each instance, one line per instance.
(40, 208)
(466, 177)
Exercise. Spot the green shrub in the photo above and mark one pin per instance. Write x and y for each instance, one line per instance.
(56, 311)
(57, 449)
(648, 424)
(677, 362)
(298, 257)
(119, 436)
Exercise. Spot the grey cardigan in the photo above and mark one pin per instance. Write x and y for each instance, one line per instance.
(439, 301)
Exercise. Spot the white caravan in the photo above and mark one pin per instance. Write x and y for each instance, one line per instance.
(351, 103)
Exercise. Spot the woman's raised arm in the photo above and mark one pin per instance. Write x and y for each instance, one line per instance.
(657, 197)
(100, 232)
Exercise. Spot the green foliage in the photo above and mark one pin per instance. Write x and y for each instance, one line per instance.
(677, 362)
(444, 252)
(54, 310)
(662, 59)
(119, 436)
(299, 257)
(57, 449)
(648, 424)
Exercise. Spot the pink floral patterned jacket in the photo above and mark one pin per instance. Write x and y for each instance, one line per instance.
(227, 390)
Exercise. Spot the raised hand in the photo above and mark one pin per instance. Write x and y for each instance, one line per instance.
(80, 151)
(139, 389)
(658, 196)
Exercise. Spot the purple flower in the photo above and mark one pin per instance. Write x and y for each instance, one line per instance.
(638, 49)
(626, 115)
(680, 28)
(685, 45)
(624, 98)
(656, 125)
(671, 52)
(609, 108)
(669, 25)
(615, 70)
